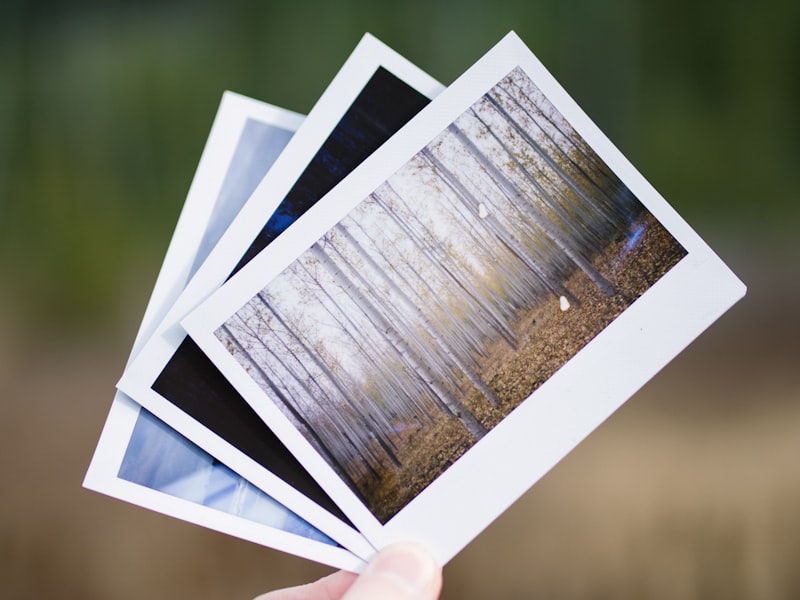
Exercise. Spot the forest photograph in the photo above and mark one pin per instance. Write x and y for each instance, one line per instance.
(449, 295)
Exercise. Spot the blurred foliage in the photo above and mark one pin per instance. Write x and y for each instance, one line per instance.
(105, 106)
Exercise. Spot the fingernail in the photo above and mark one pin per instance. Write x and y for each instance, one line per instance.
(408, 565)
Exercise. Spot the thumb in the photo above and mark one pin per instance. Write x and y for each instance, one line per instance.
(403, 571)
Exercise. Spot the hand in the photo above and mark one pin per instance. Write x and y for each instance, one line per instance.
(398, 572)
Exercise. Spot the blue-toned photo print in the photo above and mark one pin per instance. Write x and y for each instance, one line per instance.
(161, 459)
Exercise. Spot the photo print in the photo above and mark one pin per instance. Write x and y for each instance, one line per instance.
(139, 458)
(418, 326)
(374, 94)
(449, 295)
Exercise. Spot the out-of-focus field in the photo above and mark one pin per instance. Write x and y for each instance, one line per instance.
(689, 491)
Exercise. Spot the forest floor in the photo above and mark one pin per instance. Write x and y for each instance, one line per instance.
(547, 338)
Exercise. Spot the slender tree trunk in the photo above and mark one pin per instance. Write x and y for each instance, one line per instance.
(541, 220)
(388, 331)
(412, 308)
(295, 413)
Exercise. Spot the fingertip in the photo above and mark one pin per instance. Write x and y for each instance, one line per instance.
(400, 571)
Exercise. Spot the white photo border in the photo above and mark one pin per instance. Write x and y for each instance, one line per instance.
(563, 411)
(103, 477)
(368, 56)
(198, 215)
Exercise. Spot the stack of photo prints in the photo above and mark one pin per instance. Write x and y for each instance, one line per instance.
(386, 320)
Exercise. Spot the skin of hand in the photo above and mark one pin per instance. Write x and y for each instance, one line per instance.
(402, 571)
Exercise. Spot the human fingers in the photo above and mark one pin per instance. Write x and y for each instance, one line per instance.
(402, 571)
(331, 587)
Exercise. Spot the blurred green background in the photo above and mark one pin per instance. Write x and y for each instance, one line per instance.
(688, 491)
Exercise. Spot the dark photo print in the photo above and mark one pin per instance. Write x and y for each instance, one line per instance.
(191, 381)
(449, 295)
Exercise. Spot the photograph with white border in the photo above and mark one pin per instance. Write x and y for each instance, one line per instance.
(160, 470)
(373, 95)
(464, 308)
(141, 460)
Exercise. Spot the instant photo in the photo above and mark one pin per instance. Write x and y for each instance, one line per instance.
(449, 295)
(374, 94)
(139, 458)
(464, 308)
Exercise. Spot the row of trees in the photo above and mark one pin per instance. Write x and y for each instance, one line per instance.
(383, 325)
